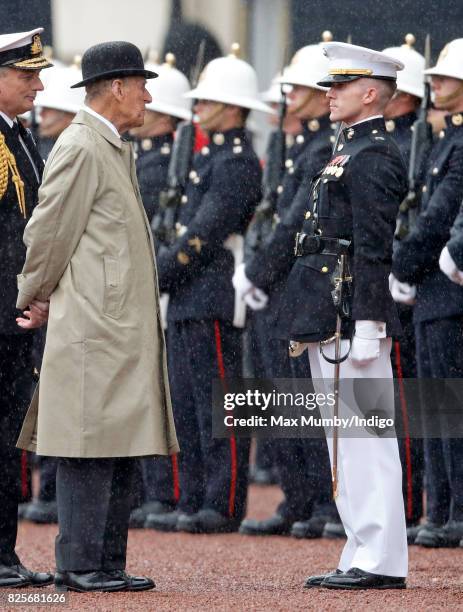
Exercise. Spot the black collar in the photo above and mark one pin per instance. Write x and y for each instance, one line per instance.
(365, 128)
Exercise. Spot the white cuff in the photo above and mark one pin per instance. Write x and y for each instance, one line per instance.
(370, 330)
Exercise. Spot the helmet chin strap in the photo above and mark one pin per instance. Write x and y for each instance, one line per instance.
(453, 96)
(206, 121)
(293, 109)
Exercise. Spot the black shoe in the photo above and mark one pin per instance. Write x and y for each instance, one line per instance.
(134, 583)
(166, 521)
(36, 579)
(22, 509)
(11, 578)
(310, 529)
(207, 521)
(275, 525)
(139, 515)
(316, 581)
(334, 531)
(89, 582)
(412, 532)
(358, 579)
(41, 512)
(434, 536)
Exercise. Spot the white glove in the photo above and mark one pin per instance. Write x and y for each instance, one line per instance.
(256, 299)
(241, 282)
(402, 292)
(449, 267)
(366, 341)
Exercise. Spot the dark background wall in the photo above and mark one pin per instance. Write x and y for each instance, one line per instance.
(377, 23)
(25, 15)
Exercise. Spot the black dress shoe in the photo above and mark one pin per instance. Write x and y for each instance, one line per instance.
(139, 515)
(412, 532)
(89, 582)
(275, 525)
(134, 583)
(10, 578)
(434, 536)
(36, 579)
(310, 529)
(334, 531)
(358, 579)
(316, 581)
(166, 521)
(41, 512)
(207, 521)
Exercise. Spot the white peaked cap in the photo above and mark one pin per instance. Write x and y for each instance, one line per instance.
(57, 91)
(168, 91)
(349, 62)
(410, 79)
(229, 80)
(450, 62)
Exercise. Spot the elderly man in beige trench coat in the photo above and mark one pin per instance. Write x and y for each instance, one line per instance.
(104, 393)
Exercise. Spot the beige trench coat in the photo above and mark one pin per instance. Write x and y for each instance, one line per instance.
(103, 388)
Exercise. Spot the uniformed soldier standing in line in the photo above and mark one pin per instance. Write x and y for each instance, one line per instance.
(351, 213)
(57, 105)
(438, 311)
(21, 167)
(303, 464)
(152, 146)
(400, 115)
(203, 339)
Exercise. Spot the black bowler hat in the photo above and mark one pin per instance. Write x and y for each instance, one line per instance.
(112, 59)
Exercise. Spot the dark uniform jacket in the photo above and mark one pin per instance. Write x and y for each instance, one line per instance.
(152, 162)
(270, 266)
(355, 198)
(416, 258)
(12, 220)
(400, 128)
(223, 191)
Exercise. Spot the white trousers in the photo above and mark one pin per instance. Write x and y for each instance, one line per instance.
(369, 500)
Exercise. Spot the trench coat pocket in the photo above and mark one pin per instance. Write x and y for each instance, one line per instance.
(112, 289)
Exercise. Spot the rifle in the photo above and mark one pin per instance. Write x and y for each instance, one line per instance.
(421, 143)
(170, 199)
(274, 169)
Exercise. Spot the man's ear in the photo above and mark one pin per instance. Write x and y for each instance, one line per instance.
(117, 88)
(371, 95)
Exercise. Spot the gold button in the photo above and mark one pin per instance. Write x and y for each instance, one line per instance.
(340, 147)
(332, 139)
(196, 180)
(205, 151)
(218, 139)
(288, 163)
(300, 139)
(280, 189)
(146, 144)
(236, 141)
(314, 125)
(325, 180)
(374, 131)
(193, 174)
(457, 119)
(237, 149)
(390, 125)
(291, 170)
(325, 269)
(183, 258)
(424, 190)
(435, 171)
(442, 134)
(308, 214)
(184, 199)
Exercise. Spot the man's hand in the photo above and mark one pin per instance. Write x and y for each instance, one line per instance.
(35, 317)
(449, 267)
(256, 299)
(366, 342)
(241, 282)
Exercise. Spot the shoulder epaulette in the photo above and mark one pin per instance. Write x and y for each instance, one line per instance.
(8, 163)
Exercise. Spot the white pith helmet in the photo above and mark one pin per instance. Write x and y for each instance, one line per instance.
(229, 80)
(273, 94)
(57, 92)
(168, 91)
(308, 65)
(449, 62)
(410, 79)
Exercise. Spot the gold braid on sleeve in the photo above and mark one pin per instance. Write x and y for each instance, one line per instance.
(8, 163)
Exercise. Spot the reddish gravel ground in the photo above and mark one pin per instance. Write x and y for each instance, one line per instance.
(233, 572)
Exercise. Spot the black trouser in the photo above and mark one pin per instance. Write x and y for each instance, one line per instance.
(15, 393)
(94, 504)
(160, 480)
(213, 472)
(407, 408)
(439, 346)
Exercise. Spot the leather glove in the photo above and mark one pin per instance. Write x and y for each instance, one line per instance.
(449, 267)
(402, 292)
(366, 342)
(256, 299)
(241, 282)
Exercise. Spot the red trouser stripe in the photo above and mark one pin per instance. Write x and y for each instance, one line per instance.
(233, 458)
(24, 481)
(408, 454)
(175, 477)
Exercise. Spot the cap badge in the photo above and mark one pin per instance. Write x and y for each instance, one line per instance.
(36, 46)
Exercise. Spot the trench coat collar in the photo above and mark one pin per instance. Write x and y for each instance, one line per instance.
(85, 118)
